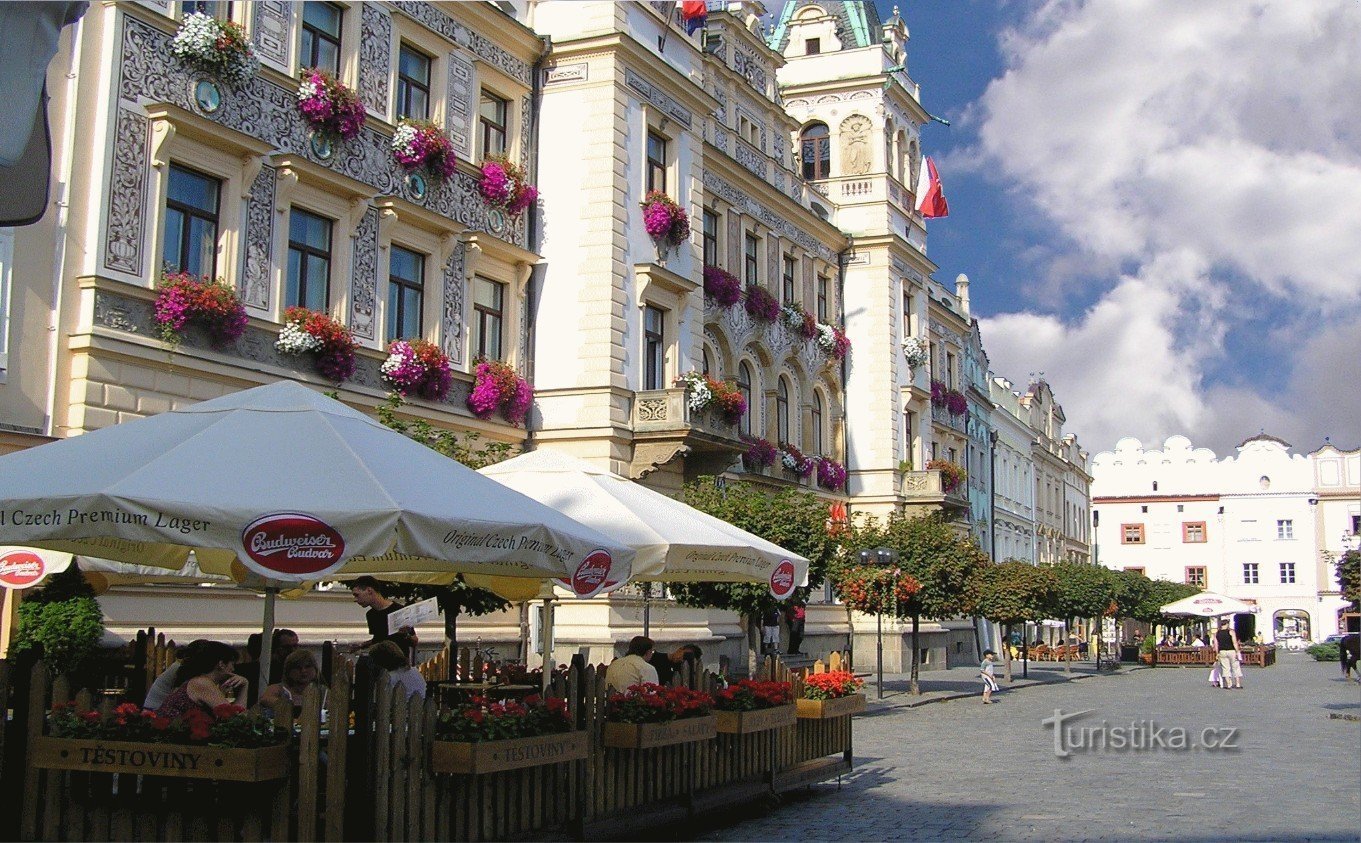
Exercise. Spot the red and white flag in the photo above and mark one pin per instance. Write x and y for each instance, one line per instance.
(930, 195)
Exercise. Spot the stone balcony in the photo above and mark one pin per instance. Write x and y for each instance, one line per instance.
(664, 428)
(941, 416)
(926, 490)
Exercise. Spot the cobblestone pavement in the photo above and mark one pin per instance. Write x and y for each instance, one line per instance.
(961, 770)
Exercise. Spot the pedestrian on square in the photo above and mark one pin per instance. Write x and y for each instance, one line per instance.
(1349, 650)
(1229, 655)
(796, 616)
(770, 631)
(987, 671)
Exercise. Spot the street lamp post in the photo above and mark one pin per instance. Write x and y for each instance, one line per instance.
(882, 556)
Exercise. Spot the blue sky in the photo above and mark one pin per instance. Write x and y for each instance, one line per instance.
(1157, 205)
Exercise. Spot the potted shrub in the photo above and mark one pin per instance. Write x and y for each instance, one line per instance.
(217, 47)
(482, 736)
(504, 185)
(417, 367)
(228, 745)
(796, 461)
(309, 332)
(754, 706)
(832, 694)
(422, 145)
(183, 300)
(799, 322)
(497, 387)
(647, 716)
(64, 619)
(332, 109)
(955, 403)
(939, 391)
(916, 351)
(761, 305)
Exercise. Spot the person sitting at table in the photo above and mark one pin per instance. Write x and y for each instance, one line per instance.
(633, 668)
(391, 656)
(203, 676)
(300, 672)
(667, 664)
(169, 680)
(1198, 642)
(284, 641)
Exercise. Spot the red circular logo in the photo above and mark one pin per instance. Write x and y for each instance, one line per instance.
(293, 544)
(782, 580)
(591, 575)
(21, 568)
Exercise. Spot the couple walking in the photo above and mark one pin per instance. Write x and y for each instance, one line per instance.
(1228, 666)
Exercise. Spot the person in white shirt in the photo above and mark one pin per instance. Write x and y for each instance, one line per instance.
(389, 656)
(633, 668)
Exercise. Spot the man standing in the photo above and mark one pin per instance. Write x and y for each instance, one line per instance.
(666, 664)
(368, 593)
(796, 616)
(1229, 653)
(633, 668)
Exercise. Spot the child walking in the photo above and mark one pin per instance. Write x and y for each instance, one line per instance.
(986, 671)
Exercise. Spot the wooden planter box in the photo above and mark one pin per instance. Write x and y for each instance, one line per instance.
(513, 754)
(827, 709)
(653, 735)
(761, 720)
(161, 759)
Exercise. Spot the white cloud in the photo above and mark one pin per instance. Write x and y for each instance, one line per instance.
(1214, 150)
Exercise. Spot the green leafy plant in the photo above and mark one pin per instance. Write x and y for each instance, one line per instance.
(1014, 592)
(63, 618)
(1330, 652)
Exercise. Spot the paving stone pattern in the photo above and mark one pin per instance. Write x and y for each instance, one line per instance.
(959, 770)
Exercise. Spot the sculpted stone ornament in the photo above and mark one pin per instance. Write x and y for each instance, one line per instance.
(855, 144)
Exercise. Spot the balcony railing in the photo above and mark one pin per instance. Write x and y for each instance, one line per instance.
(667, 411)
(927, 488)
(940, 415)
(664, 427)
(869, 188)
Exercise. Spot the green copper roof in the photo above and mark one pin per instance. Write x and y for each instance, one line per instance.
(857, 22)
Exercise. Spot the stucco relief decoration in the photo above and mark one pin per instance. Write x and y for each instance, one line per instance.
(451, 327)
(259, 239)
(720, 187)
(431, 16)
(855, 144)
(124, 232)
(658, 98)
(749, 68)
(269, 32)
(751, 159)
(458, 111)
(375, 49)
(364, 280)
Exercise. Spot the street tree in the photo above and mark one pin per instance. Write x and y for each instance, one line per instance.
(943, 561)
(1015, 592)
(1084, 591)
(1349, 578)
(791, 518)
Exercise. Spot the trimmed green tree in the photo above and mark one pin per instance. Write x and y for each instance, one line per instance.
(1013, 592)
(64, 619)
(1349, 578)
(944, 562)
(1084, 591)
(791, 518)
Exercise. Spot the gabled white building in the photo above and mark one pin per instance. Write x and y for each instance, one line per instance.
(1244, 526)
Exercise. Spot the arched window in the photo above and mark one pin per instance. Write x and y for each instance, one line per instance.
(782, 410)
(744, 387)
(817, 422)
(815, 145)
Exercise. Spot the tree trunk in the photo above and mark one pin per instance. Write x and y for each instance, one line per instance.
(916, 653)
(1006, 648)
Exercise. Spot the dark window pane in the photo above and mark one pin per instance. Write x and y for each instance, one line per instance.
(190, 234)
(309, 260)
(492, 117)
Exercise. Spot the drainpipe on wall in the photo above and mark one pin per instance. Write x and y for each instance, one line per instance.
(841, 304)
(63, 204)
(532, 231)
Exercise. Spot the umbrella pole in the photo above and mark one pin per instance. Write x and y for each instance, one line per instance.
(647, 609)
(547, 636)
(267, 639)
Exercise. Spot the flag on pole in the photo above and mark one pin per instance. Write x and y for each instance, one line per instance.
(694, 13)
(930, 195)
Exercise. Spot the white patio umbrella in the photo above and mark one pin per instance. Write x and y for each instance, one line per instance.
(674, 542)
(1207, 605)
(291, 486)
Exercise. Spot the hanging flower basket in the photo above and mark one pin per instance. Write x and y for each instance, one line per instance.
(760, 454)
(422, 145)
(874, 589)
(916, 351)
(309, 332)
(951, 475)
(704, 393)
(227, 745)
(328, 106)
(217, 47)
(796, 461)
(482, 736)
(831, 474)
(939, 393)
(721, 286)
(504, 185)
(800, 322)
(955, 403)
(417, 367)
(761, 305)
(666, 222)
(751, 705)
(497, 388)
(183, 300)
(833, 341)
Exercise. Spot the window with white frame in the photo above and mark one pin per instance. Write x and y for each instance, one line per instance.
(493, 125)
(406, 293)
(1285, 528)
(1287, 573)
(654, 347)
(309, 261)
(1251, 573)
(321, 28)
(192, 207)
(413, 83)
(489, 313)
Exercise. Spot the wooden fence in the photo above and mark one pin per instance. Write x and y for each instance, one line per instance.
(374, 780)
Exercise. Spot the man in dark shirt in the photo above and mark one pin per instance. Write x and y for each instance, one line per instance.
(668, 664)
(368, 592)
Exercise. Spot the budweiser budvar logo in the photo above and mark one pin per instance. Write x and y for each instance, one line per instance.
(782, 580)
(21, 568)
(293, 543)
(592, 573)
